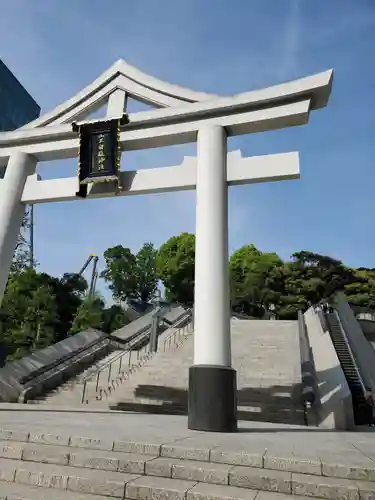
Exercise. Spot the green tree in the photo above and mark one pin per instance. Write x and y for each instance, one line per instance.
(120, 272)
(361, 291)
(306, 280)
(146, 271)
(321, 275)
(28, 314)
(251, 289)
(89, 315)
(69, 292)
(38, 310)
(175, 265)
(114, 317)
(129, 275)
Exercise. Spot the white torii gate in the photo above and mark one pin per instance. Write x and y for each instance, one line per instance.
(183, 116)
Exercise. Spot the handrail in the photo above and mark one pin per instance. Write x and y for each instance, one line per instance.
(179, 327)
(363, 386)
(112, 360)
(141, 336)
(129, 346)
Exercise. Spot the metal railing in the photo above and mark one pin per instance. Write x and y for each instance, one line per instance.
(109, 365)
(179, 334)
(127, 368)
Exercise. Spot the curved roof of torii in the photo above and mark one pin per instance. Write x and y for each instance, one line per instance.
(160, 94)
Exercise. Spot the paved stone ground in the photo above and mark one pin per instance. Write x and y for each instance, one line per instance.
(277, 439)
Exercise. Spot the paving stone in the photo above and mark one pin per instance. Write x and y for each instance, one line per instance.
(133, 463)
(324, 487)
(205, 472)
(267, 495)
(83, 480)
(139, 448)
(94, 461)
(204, 491)
(221, 455)
(157, 488)
(99, 482)
(293, 464)
(7, 469)
(186, 453)
(14, 435)
(366, 490)
(43, 478)
(54, 439)
(12, 491)
(45, 454)
(9, 449)
(95, 444)
(106, 487)
(261, 479)
(161, 467)
(349, 468)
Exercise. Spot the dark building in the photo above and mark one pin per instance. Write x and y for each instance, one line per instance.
(17, 107)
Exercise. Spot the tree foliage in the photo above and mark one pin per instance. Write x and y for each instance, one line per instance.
(39, 309)
(28, 314)
(129, 275)
(175, 265)
(89, 315)
(251, 288)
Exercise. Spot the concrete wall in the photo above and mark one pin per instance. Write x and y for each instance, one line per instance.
(12, 376)
(335, 408)
(363, 353)
(368, 328)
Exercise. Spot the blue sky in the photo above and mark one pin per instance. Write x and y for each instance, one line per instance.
(57, 47)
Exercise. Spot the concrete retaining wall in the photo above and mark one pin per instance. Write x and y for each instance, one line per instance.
(335, 410)
(13, 375)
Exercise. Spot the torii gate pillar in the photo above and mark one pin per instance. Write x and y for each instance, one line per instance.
(212, 381)
(12, 210)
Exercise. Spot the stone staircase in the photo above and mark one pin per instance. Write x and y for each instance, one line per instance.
(266, 356)
(72, 393)
(37, 466)
(107, 374)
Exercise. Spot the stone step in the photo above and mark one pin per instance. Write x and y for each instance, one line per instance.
(85, 468)
(173, 478)
(14, 491)
(14, 442)
(79, 480)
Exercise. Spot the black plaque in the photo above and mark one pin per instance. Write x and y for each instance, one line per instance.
(99, 153)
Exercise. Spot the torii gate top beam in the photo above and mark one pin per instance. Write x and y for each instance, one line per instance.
(50, 137)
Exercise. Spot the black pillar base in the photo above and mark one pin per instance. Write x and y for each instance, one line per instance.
(212, 399)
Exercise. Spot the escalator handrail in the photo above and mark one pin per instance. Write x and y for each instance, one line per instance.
(347, 343)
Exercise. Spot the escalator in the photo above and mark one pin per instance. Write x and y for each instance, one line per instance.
(349, 367)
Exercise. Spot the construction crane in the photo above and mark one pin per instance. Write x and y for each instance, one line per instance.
(94, 274)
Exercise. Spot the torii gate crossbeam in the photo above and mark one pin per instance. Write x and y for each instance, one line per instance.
(185, 116)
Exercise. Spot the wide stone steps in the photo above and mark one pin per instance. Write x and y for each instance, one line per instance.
(267, 359)
(77, 467)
